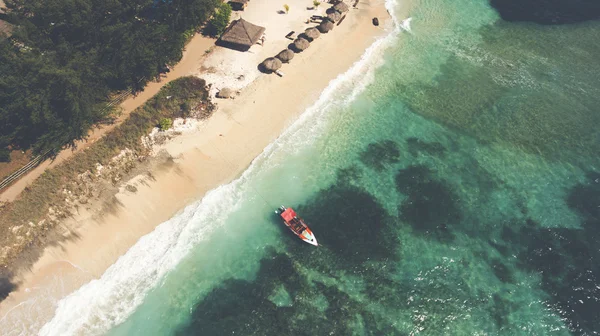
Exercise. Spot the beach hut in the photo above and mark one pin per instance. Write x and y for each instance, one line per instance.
(271, 64)
(301, 44)
(325, 26)
(241, 35)
(341, 7)
(238, 5)
(334, 16)
(286, 55)
(312, 33)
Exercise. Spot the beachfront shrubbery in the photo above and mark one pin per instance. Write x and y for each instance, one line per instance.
(165, 124)
(66, 59)
(4, 155)
(220, 20)
(49, 189)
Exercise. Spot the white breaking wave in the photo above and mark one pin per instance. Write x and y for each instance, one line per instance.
(405, 24)
(101, 304)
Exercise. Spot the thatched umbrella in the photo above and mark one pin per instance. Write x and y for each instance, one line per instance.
(225, 93)
(271, 64)
(301, 44)
(334, 16)
(325, 26)
(286, 55)
(312, 33)
(341, 7)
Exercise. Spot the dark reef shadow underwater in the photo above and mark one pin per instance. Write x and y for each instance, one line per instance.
(359, 237)
(458, 195)
(376, 273)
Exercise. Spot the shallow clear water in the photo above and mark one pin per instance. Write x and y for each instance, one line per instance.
(458, 193)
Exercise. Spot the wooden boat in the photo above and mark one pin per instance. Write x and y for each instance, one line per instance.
(297, 225)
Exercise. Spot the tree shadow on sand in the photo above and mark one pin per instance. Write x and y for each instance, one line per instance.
(6, 285)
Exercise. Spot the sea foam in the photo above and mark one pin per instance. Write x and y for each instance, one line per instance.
(108, 301)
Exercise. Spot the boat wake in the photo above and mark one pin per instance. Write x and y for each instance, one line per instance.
(101, 304)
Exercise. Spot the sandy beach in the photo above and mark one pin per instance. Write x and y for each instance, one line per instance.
(201, 158)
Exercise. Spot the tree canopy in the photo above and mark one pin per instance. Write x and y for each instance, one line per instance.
(216, 26)
(65, 58)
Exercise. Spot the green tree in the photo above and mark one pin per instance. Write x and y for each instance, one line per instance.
(4, 155)
(65, 57)
(316, 3)
(186, 109)
(287, 8)
(165, 124)
(220, 20)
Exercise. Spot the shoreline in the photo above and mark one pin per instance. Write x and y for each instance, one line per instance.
(192, 164)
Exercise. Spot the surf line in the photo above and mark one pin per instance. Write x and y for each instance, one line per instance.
(405, 24)
(295, 224)
(233, 168)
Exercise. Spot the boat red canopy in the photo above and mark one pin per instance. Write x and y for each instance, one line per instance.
(288, 214)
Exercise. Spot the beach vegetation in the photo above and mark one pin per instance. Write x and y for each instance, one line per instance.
(186, 109)
(220, 20)
(286, 7)
(165, 124)
(49, 189)
(188, 34)
(4, 155)
(66, 60)
(316, 3)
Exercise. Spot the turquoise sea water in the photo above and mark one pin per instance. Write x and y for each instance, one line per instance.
(457, 193)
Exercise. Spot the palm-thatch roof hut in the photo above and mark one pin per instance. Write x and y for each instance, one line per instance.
(325, 26)
(341, 7)
(301, 44)
(312, 33)
(241, 35)
(334, 16)
(286, 55)
(271, 64)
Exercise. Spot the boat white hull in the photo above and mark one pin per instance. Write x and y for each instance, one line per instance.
(311, 239)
